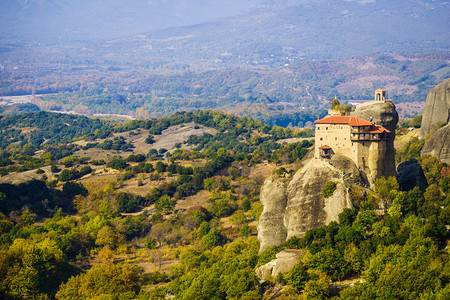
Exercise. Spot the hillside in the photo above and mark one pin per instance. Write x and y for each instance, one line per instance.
(108, 214)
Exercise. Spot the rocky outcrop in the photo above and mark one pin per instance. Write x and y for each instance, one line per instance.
(410, 175)
(271, 230)
(437, 108)
(284, 262)
(381, 159)
(438, 145)
(304, 206)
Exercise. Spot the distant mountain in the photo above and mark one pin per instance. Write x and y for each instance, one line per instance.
(271, 33)
(66, 20)
(280, 31)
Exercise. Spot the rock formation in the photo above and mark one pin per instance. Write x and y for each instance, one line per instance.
(437, 108)
(436, 113)
(271, 229)
(410, 175)
(284, 262)
(439, 144)
(381, 160)
(304, 206)
(290, 209)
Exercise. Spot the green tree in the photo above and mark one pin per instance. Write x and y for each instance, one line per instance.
(387, 191)
(211, 239)
(72, 188)
(328, 189)
(120, 281)
(298, 276)
(32, 270)
(165, 204)
(318, 286)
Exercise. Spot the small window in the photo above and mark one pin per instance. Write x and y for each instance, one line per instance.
(318, 127)
(335, 138)
(326, 128)
(321, 138)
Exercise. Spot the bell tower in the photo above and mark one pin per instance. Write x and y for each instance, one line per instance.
(380, 95)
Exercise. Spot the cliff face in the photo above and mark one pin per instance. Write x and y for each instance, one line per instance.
(437, 108)
(439, 144)
(271, 230)
(292, 210)
(382, 158)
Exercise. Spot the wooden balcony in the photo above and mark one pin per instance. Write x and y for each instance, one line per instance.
(366, 137)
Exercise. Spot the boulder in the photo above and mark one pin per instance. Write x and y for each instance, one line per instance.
(410, 175)
(438, 145)
(437, 108)
(284, 262)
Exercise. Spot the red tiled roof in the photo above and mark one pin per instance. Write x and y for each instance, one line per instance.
(378, 129)
(352, 121)
(325, 147)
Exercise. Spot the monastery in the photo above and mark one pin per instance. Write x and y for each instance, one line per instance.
(351, 136)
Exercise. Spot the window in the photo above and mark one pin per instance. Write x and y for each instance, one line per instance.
(335, 138)
(326, 128)
(321, 138)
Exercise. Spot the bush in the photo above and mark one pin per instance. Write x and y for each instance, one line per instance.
(117, 163)
(150, 243)
(55, 169)
(329, 189)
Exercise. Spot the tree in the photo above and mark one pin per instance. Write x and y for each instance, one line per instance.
(318, 287)
(347, 216)
(165, 204)
(72, 188)
(211, 239)
(387, 190)
(33, 270)
(160, 167)
(298, 276)
(117, 163)
(328, 189)
(120, 281)
(160, 231)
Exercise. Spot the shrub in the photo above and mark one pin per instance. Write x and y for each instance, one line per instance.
(329, 189)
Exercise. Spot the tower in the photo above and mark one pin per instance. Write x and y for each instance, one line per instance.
(380, 95)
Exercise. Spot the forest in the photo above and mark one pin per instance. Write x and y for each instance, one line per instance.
(181, 221)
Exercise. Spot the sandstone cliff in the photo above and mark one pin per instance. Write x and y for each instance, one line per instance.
(273, 197)
(437, 108)
(293, 209)
(439, 145)
(381, 160)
